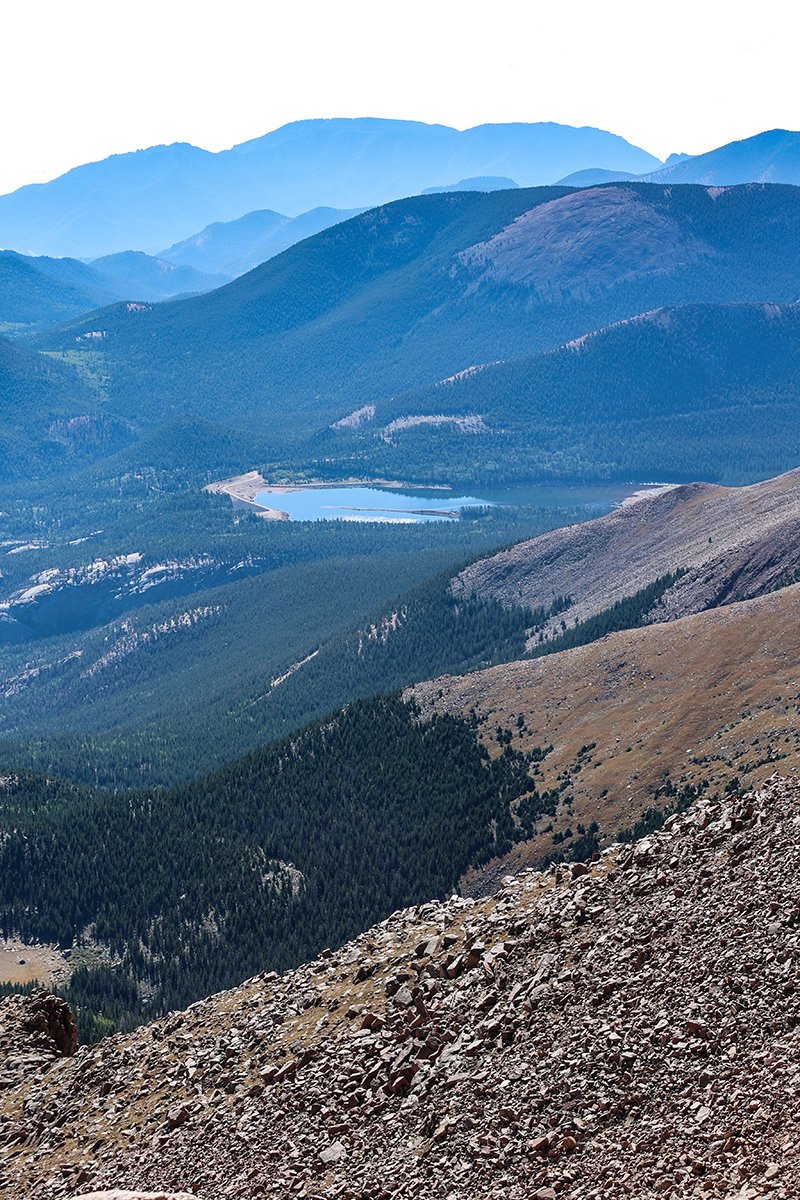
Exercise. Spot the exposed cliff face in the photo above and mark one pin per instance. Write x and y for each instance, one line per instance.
(35, 1032)
(61, 600)
(735, 543)
(51, 1025)
(628, 1027)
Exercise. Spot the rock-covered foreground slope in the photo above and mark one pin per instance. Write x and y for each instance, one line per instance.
(734, 543)
(627, 1028)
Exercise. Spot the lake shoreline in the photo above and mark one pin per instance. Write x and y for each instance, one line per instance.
(244, 490)
(369, 499)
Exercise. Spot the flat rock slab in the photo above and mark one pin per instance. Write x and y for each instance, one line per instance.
(116, 1194)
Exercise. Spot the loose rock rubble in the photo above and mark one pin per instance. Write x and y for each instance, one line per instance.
(625, 1028)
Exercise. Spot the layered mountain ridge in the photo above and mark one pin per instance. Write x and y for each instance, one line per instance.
(37, 292)
(420, 291)
(234, 247)
(574, 738)
(154, 197)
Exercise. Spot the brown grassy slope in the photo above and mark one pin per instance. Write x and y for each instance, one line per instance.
(709, 697)
(631, 1032)
(735, 542)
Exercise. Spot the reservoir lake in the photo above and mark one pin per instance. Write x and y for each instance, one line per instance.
(383, 503)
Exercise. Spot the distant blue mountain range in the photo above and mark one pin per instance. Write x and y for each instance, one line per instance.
(153, 198)
(327, 170)
(483, 183)
(233, 247)
(770, 157)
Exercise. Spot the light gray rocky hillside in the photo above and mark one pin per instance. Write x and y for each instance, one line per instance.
(734, 543)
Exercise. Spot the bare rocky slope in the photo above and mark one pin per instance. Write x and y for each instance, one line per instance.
(628, 1027)
(632, 721)
(734, 543)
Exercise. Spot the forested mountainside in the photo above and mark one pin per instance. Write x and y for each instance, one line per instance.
(627, 1027)
(296, 847)
(425, 288)
(586, 741)
(732, 544)
(37, 292)
(151, 632)
(233, 247)
(46, 291)
(205, 637)
(269, 625)
(696, 391)
(301, 844)
(154, 197)
(49, 417)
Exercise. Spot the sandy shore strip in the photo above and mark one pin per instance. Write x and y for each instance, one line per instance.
(243, 490)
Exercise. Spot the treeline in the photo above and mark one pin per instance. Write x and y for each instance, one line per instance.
(628, 613)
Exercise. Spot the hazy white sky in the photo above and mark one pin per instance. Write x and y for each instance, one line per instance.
(88, 78)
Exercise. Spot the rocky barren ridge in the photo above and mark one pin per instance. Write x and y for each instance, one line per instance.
(578, 244)
(734, 543)
(625, 1028)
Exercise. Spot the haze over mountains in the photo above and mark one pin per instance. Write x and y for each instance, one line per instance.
(162, 196)
(42, 291)
(233, 247)
(151, 198)
(770, 157)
